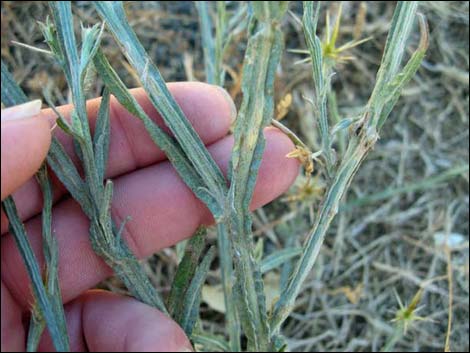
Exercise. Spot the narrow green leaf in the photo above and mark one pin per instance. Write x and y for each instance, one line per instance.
(208, 47)
(50, 37)
(51, 252)
(192, 297)
(67, 173)
(11, 93)
(394, 88)
(167, 144)
(185, 272)
(402, 23)
(91, 39)
(268, 11)
(74, 129)
(62, 13)
(215, 44)
(278, 258)
(21, 238)
(341, 137)
(210, 343)
(61, 120)
(105, 213)
(261, 60)
(279, 343)
(342, 125)
(400, 28)
(221, 41)
(226, 269)
(310, 20)
(289, 241)
(101, 135)
(37, 324)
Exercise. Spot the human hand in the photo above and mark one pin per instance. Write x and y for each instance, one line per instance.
(146, 187)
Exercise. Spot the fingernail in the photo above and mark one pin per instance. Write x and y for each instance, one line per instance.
(233, 108)
(22, 111)
(185, 349)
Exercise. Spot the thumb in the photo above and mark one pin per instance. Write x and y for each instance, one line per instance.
(25, 141)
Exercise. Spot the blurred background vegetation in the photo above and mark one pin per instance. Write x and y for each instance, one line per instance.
(404, 224)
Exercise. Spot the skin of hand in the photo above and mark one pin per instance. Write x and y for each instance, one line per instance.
(163, 212)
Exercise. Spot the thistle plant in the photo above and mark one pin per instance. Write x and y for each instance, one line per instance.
(247, 315)
(405, 317)
(332, 53)
(363, 133)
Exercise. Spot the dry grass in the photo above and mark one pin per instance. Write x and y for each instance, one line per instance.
(374, 249)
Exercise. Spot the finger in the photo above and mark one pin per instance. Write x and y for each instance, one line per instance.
(13, 335)
(163, 210)
(209, 109)
(100, 321)
(25, 141)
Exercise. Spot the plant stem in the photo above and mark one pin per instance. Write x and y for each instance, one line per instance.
(205, 23)
(226, 270)
(262, 57)
(310, 20)
(363, 136)
(354, 156)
